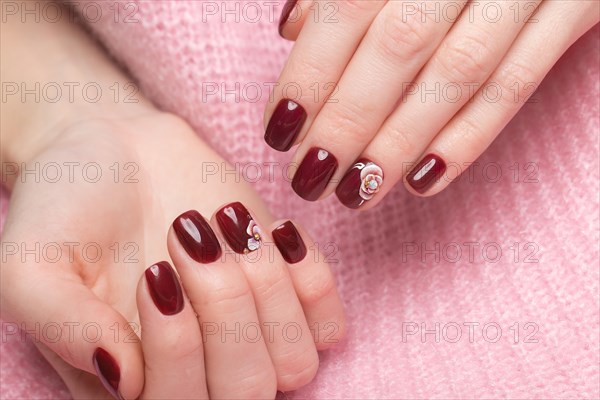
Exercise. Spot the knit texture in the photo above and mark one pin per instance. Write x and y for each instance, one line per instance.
(511, 260)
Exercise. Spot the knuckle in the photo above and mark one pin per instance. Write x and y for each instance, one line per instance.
(351, 7)
(178, 347)
(399, 140)
(306, 69)
(316, 288)
(348, 123)
(471, 132)
(300, 374)
(178, 343)
(466, 57)
(268, 285)
(516, 82)
(404, 36)
(228, 296)
(260, 384)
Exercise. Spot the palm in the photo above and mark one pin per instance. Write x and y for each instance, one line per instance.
(111, 228)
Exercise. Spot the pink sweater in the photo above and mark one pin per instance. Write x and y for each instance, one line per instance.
(489, 289)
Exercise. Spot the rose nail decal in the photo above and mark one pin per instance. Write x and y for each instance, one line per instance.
(360, 183)
(238, 228)
(371, 176)
(255, 236)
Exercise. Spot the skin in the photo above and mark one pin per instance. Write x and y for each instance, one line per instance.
(164, 351)
(374, 50)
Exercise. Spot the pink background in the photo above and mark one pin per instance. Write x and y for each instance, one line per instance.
(172, 51)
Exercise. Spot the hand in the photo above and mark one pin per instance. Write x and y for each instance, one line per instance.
(95, 238)
(412, 91)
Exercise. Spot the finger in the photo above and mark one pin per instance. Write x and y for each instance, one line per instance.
(401, 40)
(58, 311)
(472, 130)
(320, 55)
(283, 324)
(314, 283)
(237, 366)
(464, 60)
(81, 385)
(293, 15)
(171, 338)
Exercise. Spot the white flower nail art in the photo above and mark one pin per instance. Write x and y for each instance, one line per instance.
(371, 177)
(255, 236)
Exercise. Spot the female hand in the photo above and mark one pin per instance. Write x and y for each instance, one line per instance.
(409, 90)
(95, 186)
(241, 328)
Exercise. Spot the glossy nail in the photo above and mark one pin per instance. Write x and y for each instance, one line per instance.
(314, 174)
(197, 237)
(238, 228)
(289, 242)
(108, 371)
(285, 125)
(285, 14)
(426, 173)
(164, 288)
(360, 183)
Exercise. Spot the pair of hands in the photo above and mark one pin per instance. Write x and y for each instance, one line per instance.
(256, 299)
(369, 53)
(394, 90)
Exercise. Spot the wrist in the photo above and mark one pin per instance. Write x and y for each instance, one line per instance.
(55, 76)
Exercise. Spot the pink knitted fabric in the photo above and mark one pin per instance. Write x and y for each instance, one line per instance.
(526, 300)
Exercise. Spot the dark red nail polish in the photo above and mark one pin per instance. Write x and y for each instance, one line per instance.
(197, 237)
(289, 242)
(164, 288)
(285, 125)
(285, 14)
(108, 371)
(426, 173)
(314, 174)
(360, 183)
(238, 228)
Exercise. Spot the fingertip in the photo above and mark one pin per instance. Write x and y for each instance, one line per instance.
(289, 25)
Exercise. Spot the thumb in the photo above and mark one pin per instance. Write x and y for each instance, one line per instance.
(57, 310)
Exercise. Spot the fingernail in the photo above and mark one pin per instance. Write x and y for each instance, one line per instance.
(426, 173)
(164, 288)
(289, 242)
(197, 237)
(285, 125)
(108, 371)
(314, 174)
(238, 228)
(360, 183)
(285, 14)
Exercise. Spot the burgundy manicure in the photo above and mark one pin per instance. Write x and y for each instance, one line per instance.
(164, 288)
(197, 237)
(108, 371)
(285, 14)
(360, 183)
(285, 125)
(314, 174)
(289, 242)
(238, 228)
(426, 173)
